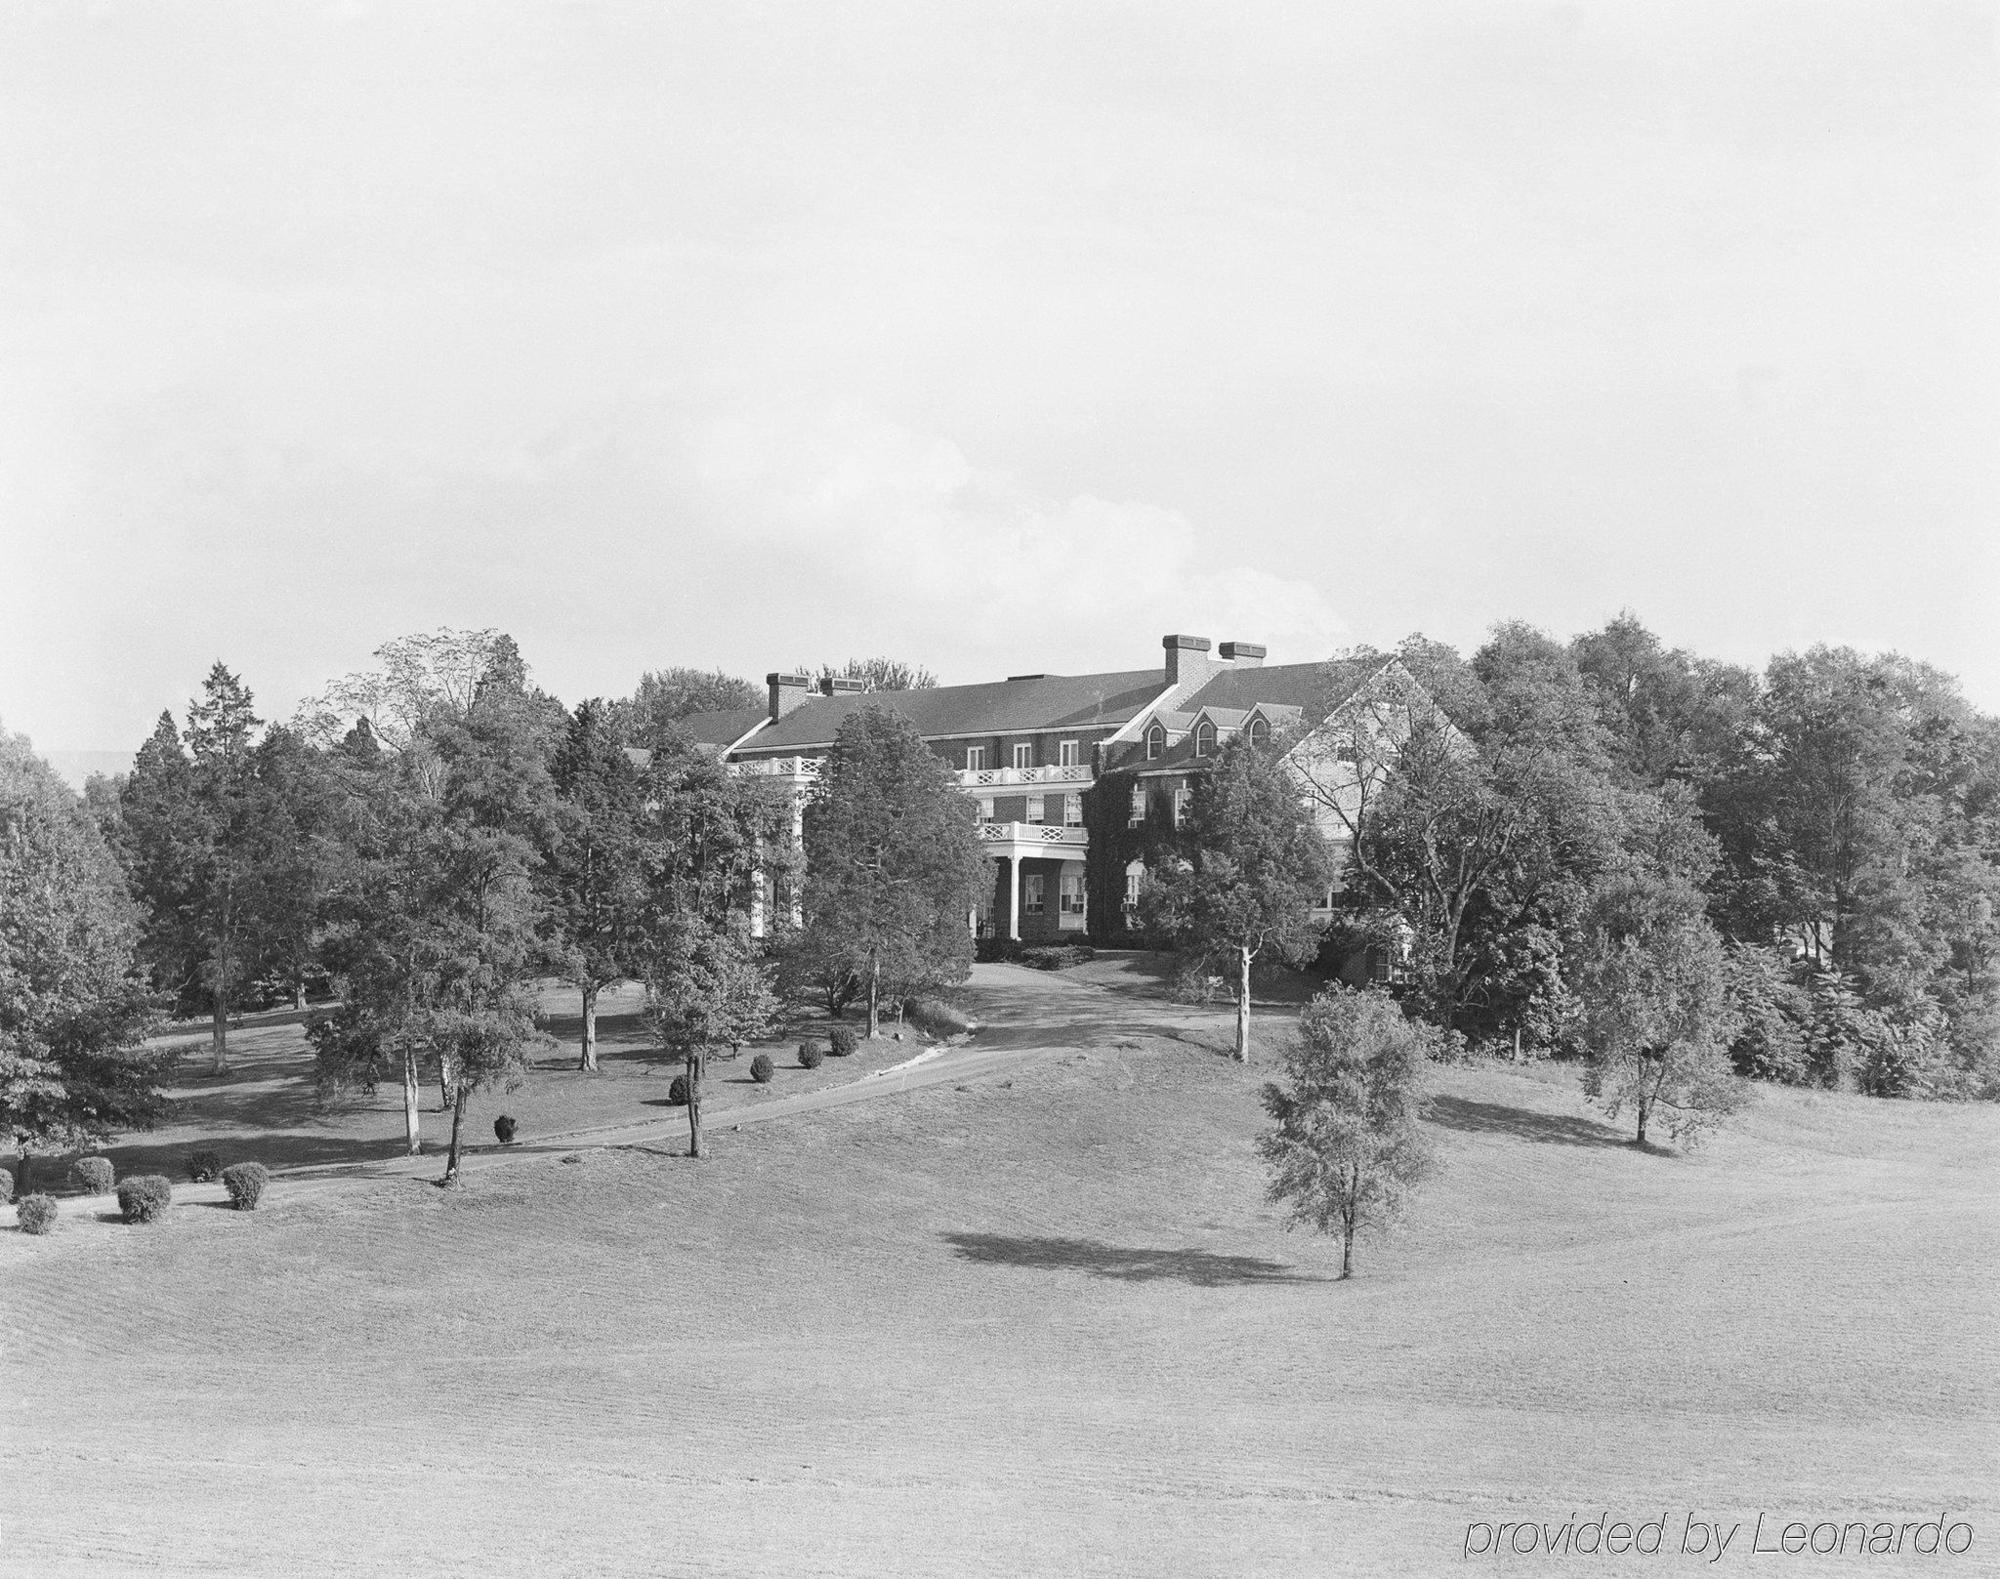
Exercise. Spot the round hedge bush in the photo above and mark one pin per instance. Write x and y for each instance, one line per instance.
(203, 1166)
(245, 1183)
(35, 1213)
(810, 1054)
(6, 1185)
(677, 1093)
(842, 1040)
(145, 1197)
(761, 1069)
(503, 1130)
(93, 1175)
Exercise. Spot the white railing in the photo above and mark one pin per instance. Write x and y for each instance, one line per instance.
(1062, 838)
(982, 778)
(782, 767)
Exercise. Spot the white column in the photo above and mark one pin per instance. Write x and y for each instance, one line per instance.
(1014, 909)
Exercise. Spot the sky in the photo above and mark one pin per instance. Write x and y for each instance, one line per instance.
(1000, 338)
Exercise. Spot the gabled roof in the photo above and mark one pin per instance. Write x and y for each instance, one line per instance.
(1310, 689)
(1003, 707)
(722, 729)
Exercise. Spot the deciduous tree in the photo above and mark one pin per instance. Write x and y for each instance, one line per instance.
(1348, 1146)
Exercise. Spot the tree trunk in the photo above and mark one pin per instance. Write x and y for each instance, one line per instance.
(444, 1083)
(299, 994)
(1347, 1251)
(457, 1123)
(22, 1188)
(1642, 1105)
(412, 1114)
(874, 996)
(218, 1032)
(587, 1055)
(1243, 1009)
(693, 1060)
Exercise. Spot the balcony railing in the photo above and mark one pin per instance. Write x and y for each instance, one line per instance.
(987, 778)
(1059, 839)
(782, 767)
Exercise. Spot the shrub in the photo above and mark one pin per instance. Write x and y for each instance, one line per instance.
(841, 1041)
(677, 1093)
(6, 1185)
(760, 1069)
(93, 1175)
(35, 1213)
(1057, 956)
(245, 1183)
(503, 1130)
(145, 1197)
(810, 1054)
(991, 950)
(203, 1166)
(939, 1018)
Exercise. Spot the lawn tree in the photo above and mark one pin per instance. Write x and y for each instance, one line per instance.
(73, 1011)
(1251, 867)
(1348, 1145)
(1654, 1013)
(486, 1048)
(892, 862)
(711, 840)
(592, 874)
(199, 833)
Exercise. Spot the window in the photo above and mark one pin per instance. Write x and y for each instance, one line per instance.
(986, 808)
(1072, 811)
(1024, 755)
(1035, 808)
(1069, 753)
(1072, 895)
(975, 758)
(1156, 741)
(1260, 733)
(1031, 895)
(1138, 806)
(1180, 804)
(1135, 875)
(1204, 738)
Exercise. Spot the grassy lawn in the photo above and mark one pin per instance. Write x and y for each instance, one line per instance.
(1032, 1322)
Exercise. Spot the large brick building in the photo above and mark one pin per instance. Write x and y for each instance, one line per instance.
(1071, 772)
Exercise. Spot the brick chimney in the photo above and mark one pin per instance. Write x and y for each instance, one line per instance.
(787, 691)
(1187, 659)
(1244, 654)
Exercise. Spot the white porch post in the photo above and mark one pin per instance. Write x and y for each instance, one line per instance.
(1014, 908)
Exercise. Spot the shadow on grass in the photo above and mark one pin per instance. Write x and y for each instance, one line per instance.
(1199, 1267)
(1489, 1118)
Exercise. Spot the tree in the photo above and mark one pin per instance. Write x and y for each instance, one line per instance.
(1669, 714)
(1348, 1146)
(876, 674)
(892, 862)
(591, 873)
(705, 987)
(487, 1047)
(74, 1013)
(199, 830)
(665, 696)
(1655, 1018)
(1251, 866)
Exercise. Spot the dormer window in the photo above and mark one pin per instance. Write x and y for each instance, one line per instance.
(1204, 739)
(1260, 733)
(1156, 742)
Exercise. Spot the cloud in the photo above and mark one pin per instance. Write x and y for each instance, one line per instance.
(866, 505)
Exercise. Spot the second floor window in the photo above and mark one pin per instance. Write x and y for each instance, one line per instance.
(1035, 808)
(975, 758)
(1072, 811)
(1070, 753)
(1138, 814)
(1180, 805)
(985, 810)
(1024, 755)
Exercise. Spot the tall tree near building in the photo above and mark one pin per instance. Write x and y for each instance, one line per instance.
(198, 826)
(592, 869)
(1348, 1146)
(877, 674)
(712, 844)
(892, 861)
(1251, 867)
(73, 1010)
(1655, 1015)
